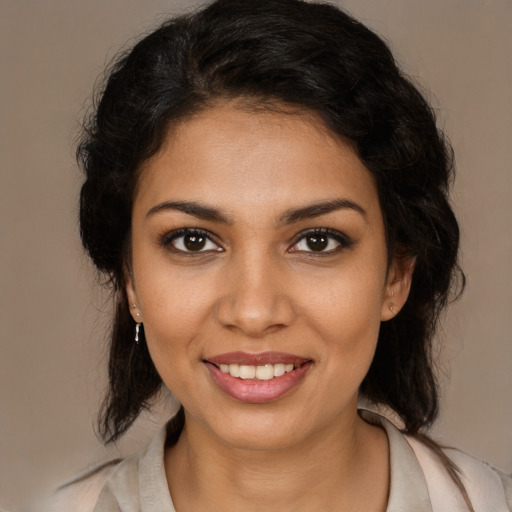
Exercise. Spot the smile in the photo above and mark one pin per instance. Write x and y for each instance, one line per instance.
(265, 372)
(257, 378)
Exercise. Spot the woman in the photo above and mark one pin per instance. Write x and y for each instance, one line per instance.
(268, 195)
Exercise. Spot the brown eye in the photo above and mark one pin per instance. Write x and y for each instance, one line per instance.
(190, 241)
(317, 242)
(322, 241)
(194, 241)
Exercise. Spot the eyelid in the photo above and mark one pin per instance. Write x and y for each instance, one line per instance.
(343, 241)
(341, 238)
(167, 239)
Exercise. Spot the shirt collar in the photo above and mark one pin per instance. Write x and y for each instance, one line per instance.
(408, 488)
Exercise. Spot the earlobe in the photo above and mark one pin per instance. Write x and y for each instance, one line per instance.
(397, 287)
(131, 294)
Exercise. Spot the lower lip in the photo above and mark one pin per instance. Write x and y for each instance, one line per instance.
(254, 391)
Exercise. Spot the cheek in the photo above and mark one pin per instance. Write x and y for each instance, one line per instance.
(346, 314)
(349, 350)
(175, 306)
(172, 298)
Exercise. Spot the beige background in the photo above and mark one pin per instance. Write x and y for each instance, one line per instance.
(51, 328)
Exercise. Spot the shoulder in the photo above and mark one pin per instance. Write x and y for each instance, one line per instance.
(81, 493)
(488, 488)
(479, 475)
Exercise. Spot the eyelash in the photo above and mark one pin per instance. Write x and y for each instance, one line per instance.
(168, 240)
(343, 241)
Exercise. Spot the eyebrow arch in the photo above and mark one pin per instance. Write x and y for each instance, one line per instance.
(191, 208)
(317, 209)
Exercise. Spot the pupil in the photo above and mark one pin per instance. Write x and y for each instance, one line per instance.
(317, 242)
(194, 242)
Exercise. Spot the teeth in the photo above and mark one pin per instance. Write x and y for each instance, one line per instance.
(233, 370)
(279, 370)
(247, 372)
(265, 372)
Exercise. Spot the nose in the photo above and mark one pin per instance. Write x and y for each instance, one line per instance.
(256, 300)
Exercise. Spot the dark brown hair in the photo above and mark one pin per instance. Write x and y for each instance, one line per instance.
(311, 56)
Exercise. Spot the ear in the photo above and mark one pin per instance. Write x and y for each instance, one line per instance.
(398, 286)
(131, 295)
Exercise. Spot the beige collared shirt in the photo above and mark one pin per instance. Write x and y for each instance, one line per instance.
(419, 482)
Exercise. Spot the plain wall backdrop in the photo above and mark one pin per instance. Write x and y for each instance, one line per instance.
(52, 328)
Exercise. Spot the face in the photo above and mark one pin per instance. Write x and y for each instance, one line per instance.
(260, 271)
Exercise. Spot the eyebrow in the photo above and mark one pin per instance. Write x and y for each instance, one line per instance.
(317, 209)
(289, 217)
(191, 208)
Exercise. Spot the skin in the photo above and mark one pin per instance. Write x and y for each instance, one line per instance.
(257, 286)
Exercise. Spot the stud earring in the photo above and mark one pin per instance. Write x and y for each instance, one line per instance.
(137, 331)
(134, 306)
(392, 308)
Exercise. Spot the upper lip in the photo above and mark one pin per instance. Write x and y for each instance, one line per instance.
(259, 359)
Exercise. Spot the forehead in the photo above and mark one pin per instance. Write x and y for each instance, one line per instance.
(245, 158)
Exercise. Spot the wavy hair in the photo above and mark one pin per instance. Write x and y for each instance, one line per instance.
(314, 57)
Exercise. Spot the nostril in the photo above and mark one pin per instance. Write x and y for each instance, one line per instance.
(254, 314)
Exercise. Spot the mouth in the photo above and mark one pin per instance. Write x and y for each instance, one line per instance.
(260, 372)
(257, 378)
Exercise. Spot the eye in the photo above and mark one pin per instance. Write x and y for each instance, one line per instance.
(320, 241)
(190, 241)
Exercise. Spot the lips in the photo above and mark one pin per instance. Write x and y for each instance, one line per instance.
(257, 378)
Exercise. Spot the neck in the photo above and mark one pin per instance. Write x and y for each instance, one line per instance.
(344, 467)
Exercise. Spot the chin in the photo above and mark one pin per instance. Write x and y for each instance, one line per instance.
(264, 430)
(271, 440)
